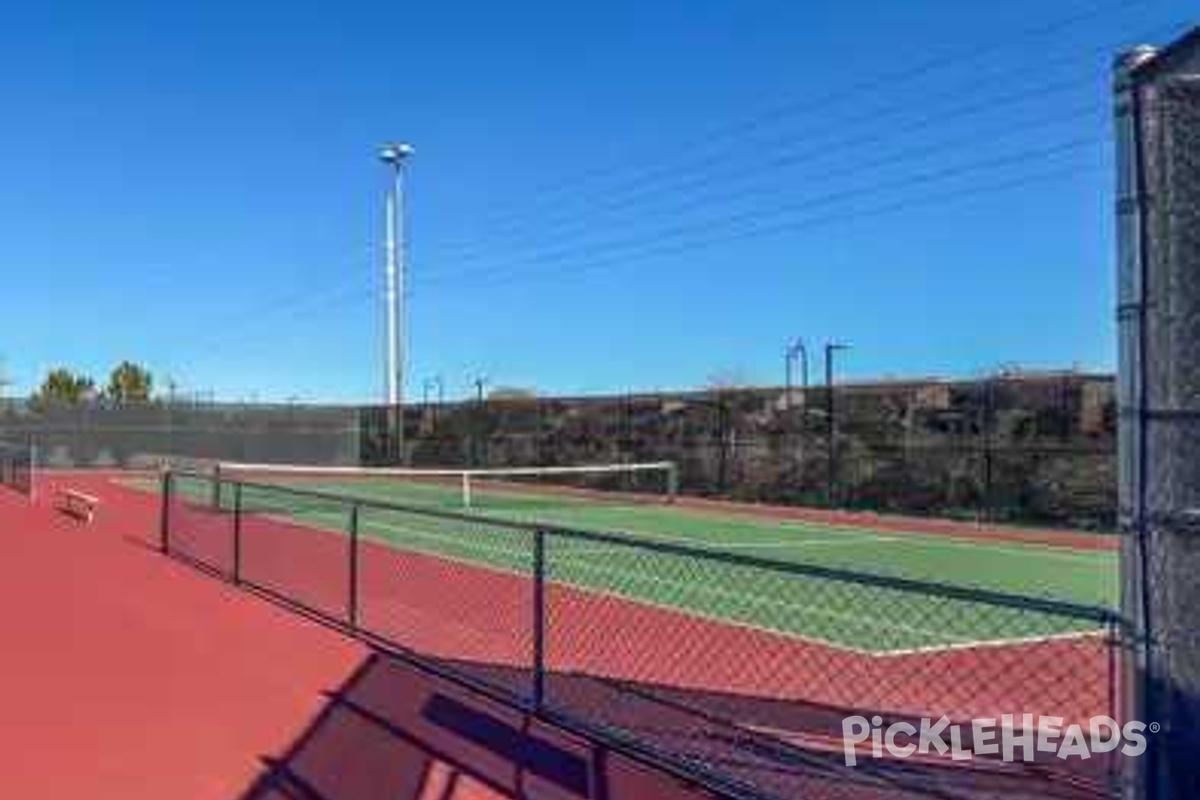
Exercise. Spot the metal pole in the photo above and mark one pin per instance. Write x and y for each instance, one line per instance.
(830, 443)
(1142, 773)
(479, 456)
(391, 275)
(800, 476)
(539, 618)
(352, 599)
(794, 351)
(989, 416)
(788, 357)
(441, 401)
(803, 351)
(237, 533)
(164, 521)
(394, 156)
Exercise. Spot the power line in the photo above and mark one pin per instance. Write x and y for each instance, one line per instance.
(307, 303)
(662, 249)
(298, 302)
(677, 239)
(316, 304)
(724, 196)
(788, 152)
(968, 192)
(293, 298)
(548, 195)
(1019, 157)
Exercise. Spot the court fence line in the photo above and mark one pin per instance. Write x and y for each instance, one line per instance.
(17, 465)
(722, 665)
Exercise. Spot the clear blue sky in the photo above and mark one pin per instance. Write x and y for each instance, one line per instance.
(607, 195)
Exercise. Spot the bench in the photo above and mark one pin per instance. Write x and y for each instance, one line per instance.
(77, 504)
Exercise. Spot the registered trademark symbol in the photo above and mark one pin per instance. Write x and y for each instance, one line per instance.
(1155, 727)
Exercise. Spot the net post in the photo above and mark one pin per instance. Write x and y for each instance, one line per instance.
(216, 487)
(237, 533)
(466, 488)
(672, 481)
(164, 517)
(539, 618)
(352, 567)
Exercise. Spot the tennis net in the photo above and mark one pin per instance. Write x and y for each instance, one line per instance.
(16, 465)
(504, 488)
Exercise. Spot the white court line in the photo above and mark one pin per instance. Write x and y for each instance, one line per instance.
(749, 547)
(989, 643)
(932, 539)
(1039, 550)
(872, 622)
(733, 547)
(634, 577)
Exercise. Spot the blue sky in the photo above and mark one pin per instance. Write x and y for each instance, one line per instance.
(606, 195)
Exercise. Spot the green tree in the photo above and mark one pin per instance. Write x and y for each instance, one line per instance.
(129, 383)
(63, 386)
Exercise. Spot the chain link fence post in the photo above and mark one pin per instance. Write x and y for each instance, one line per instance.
(539, 618)
(352, 567)
(164, 521)
(237, 530)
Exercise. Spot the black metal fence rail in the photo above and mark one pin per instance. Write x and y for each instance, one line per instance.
(719, 663)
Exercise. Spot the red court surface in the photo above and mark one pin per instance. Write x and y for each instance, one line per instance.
(126, 674)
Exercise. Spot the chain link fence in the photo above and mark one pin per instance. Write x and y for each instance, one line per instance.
(16, 465)
(736, 669)
(1032, 450)
(102, 434)
(1158, 114)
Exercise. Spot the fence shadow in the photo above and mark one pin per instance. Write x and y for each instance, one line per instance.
(792, 748)
(395, 732)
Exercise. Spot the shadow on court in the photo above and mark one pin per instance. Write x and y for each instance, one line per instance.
(394, 732)
(789, 748)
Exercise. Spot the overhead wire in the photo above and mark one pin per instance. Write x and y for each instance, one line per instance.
(666, 241)
(548, 195)
(634, 245)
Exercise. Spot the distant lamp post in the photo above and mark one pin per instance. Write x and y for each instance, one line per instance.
(796, 350)
(831, 439)
(433, 383)
(479, 443)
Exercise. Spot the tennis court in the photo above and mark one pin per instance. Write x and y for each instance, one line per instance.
(714, 637)
(726, 591)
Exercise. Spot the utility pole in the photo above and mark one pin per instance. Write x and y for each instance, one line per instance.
(434, 382)
(794, 351)
(797, 350)
(478, 455)
(394, 155)
(831, 440)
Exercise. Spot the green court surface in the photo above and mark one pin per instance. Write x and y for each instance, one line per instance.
(875, 616)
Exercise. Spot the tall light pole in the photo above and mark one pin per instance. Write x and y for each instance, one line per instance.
(394, 154)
